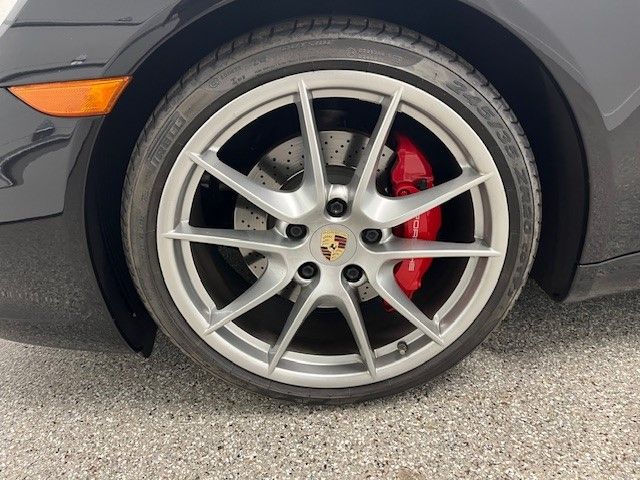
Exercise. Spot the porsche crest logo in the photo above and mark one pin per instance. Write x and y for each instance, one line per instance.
(333, 245)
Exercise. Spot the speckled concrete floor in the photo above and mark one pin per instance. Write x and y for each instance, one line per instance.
(554, 393)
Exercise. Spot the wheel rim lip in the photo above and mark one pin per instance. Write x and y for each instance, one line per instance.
(336, 371)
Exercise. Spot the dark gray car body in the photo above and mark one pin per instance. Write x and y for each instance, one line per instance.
(62, 282)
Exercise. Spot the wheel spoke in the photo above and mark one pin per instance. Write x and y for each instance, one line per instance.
(286, 206)
(274, 279)
(304, 305)
(364, 176)
(268, 241)
(404, 248)
(350, 308)
(388, 212)
(314, 176)
(387, 287)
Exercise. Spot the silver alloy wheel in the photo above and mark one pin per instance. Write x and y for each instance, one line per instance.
(366, 209)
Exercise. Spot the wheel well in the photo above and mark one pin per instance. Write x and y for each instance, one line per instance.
(510, 65)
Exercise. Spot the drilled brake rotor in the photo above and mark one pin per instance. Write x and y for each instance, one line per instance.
(278, 170)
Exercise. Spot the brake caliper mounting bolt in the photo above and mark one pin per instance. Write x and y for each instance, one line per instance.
(308, 270)
(352, 273)
(371, 236)
(402, 347)
(337, 207)
(296, 232)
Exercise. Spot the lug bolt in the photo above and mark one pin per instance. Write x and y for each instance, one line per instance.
(371, 235)
(337, 207)
(352, 273)
(296, 232)
(308, 270)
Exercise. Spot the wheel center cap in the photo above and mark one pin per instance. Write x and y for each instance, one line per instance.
(333, 245)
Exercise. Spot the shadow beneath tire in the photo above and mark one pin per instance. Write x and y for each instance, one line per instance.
(536, 328)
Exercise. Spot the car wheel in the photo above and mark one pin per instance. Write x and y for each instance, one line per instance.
(330, 210)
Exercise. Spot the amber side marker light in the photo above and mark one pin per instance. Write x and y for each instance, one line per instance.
(78, 98)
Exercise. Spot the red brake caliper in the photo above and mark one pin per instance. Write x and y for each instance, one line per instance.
(410, 174)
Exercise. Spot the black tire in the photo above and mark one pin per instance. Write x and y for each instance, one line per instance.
(314, 44)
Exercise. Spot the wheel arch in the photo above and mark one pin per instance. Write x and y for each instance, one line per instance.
(519, 76)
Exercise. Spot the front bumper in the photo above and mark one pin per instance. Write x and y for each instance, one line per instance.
(48, 289)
